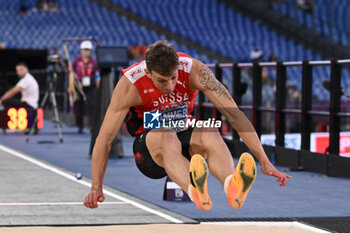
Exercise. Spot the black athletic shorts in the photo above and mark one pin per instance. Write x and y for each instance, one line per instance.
(143, 158)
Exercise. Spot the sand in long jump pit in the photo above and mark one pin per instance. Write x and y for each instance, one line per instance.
(156, 228)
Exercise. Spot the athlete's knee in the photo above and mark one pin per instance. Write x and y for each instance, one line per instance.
(211, 138)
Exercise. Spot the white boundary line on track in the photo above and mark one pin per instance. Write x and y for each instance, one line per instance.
(59, 203)
(82, 182)
(294, 224)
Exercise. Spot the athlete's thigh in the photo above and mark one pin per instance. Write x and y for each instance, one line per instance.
(158, 140)
(143, 159)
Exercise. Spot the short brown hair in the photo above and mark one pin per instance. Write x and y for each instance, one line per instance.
(22, 64)
(162, 58)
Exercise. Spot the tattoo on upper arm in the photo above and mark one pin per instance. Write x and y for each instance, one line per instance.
(207, 78)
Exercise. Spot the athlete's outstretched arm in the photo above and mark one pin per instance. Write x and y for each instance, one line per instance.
(125, 95)
(201, 78)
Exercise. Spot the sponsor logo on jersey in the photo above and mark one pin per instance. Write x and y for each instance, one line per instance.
(171, 98)
(182, 84)
(146, 91)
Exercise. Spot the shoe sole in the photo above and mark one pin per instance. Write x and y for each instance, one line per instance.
(244, 177)
(199, 173)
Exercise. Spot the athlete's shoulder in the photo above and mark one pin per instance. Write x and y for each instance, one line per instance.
(135, 72)
(181, 54)
(185, 62)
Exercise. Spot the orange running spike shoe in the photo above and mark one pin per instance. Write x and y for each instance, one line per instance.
(199, 174)
(241, 181)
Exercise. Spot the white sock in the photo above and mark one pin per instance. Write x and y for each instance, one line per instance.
(189, 192)
(226, 183)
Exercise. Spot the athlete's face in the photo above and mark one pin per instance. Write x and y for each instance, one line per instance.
(165, 84)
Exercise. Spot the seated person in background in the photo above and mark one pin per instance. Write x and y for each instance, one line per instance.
(272, 58)
(28, 87)
(256, 55)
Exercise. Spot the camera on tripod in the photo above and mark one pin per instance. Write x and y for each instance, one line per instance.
(53, 62)
(53, 59)
(55, 65)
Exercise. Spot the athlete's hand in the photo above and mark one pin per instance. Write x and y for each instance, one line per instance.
(93, 197)
(268, 169)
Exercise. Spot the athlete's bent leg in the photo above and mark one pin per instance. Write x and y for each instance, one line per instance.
(236, 183)
(165, 149)
(209, 143)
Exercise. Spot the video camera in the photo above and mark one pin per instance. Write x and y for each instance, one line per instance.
(53, 59)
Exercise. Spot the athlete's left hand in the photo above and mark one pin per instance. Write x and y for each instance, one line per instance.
(268, 169)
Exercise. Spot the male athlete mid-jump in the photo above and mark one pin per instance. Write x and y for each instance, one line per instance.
(168, 82)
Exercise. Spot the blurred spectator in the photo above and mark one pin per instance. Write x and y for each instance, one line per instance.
(53, 6)
(272, 58)
(143, 50)
(23, 7)
(47, 5)
(322, 127)
(42, 5)
(294, 95)
(306, 5)
(134, 51)
(27, 86)
(2, 45)
(87, 78)
(256, 54)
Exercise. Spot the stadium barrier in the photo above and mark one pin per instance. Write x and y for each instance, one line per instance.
(331, 164)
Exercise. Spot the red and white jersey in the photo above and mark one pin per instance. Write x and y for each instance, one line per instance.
(182, 98)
